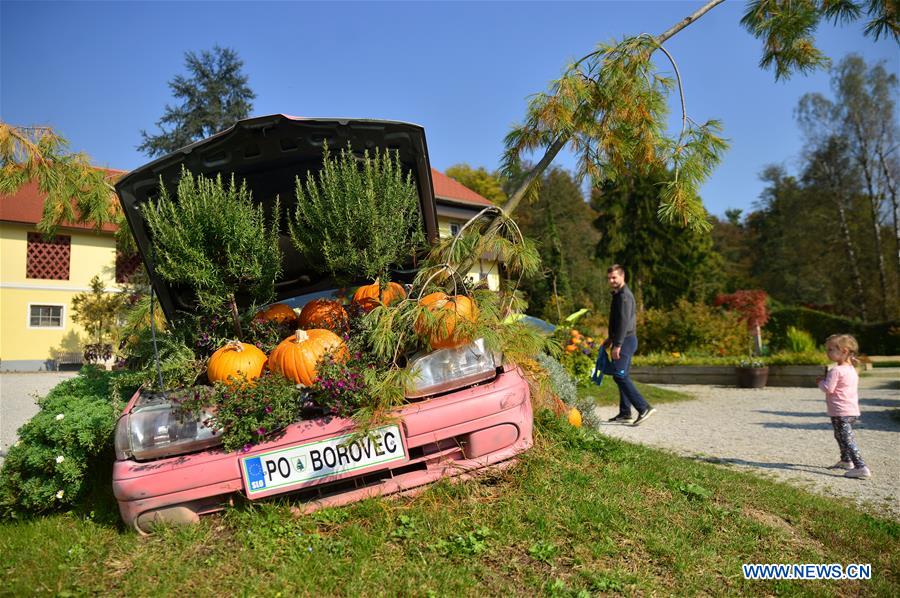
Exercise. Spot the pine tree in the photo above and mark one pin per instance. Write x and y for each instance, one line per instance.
(76, 191)
(609, 107)
(213, 97)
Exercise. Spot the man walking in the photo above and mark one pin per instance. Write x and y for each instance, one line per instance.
(623, 340)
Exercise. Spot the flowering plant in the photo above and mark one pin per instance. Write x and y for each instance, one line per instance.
(245, 413)
(752, 362)
(341, 387)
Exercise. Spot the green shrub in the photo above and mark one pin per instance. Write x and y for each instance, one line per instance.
(695, 327)
(561, 382)
(879, 338)
(69, 438)
(799, 341)
(781, 358)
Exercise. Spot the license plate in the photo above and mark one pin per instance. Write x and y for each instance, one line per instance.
(283, 469)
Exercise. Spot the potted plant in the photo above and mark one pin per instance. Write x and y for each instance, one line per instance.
(752, 373)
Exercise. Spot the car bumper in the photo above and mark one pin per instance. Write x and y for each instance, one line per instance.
(445, 436)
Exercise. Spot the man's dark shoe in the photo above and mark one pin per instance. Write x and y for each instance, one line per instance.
(621, 419)
(643, 416)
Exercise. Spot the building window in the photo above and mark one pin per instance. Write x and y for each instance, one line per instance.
(126, 266)
(454, 229)
(48, 258)
(45, 316)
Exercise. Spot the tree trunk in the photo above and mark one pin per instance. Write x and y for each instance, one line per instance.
(863, 159)
(851, 257)
(892, 193)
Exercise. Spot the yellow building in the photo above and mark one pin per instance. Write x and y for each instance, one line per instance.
(456, 204)
(38, 279)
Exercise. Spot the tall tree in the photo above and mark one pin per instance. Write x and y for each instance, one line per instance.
(560, 221)
(730, 240)
(863, 114)
(665, 261)
(831, 173)
(213, 97)
(792, 256)
(487, 184)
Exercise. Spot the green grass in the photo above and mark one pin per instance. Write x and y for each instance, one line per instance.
(608, 393)
(579, 515)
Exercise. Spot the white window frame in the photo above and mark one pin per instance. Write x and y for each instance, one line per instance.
(62, 316)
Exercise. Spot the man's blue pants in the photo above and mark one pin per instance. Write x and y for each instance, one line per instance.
(628, 393)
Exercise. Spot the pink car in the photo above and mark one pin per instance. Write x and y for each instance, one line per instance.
(467, 410)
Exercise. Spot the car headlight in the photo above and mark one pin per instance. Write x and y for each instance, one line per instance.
(156, 427)
(447, 369)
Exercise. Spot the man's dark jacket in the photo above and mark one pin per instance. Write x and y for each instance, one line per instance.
(622, 316)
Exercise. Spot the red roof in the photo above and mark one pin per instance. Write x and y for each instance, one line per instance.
(447, 188)
(27, 204)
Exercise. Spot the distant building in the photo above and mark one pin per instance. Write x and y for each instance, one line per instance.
(456, 204)
(39, 276)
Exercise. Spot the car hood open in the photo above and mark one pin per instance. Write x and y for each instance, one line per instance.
(269, 152)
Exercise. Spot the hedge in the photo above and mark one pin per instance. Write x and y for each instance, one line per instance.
(877, 338)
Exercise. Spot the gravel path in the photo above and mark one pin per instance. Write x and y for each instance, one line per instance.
(17, 401)
(783, 433)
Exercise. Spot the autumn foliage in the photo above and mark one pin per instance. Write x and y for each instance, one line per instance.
(750, 304)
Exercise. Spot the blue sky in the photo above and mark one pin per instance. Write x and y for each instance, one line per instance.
(97, 71)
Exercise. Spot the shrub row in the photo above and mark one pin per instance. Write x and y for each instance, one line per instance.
(880, 338)
(695, 327)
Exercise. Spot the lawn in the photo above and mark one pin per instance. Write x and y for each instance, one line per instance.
(579, 514)
(608, 393)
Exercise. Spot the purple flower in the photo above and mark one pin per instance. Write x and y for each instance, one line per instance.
(261, 432)
(246, 448)
(268, 409)
(585, 351)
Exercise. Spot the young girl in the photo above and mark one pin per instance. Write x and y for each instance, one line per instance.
(842, 400)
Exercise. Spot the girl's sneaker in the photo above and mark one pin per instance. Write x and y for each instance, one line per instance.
(842, 465)
(859, 473)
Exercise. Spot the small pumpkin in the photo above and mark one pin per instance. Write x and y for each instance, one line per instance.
(391, 293)
(449, 310)
(323, 313)
(234, 360)
(297, 356)
(574, 417)
(278, 312)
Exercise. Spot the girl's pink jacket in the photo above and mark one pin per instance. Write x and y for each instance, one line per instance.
(840, 388)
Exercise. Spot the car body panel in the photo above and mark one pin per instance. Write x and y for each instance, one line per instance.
(445, 436)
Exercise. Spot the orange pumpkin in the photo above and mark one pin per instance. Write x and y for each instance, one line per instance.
(278, 312)
(448, 310)
(234, 360)
(392, 292)
(323, 313)
(297, 356)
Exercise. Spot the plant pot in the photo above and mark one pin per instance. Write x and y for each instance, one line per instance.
(752, 377)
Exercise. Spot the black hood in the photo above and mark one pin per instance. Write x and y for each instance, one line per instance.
(269, 152)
